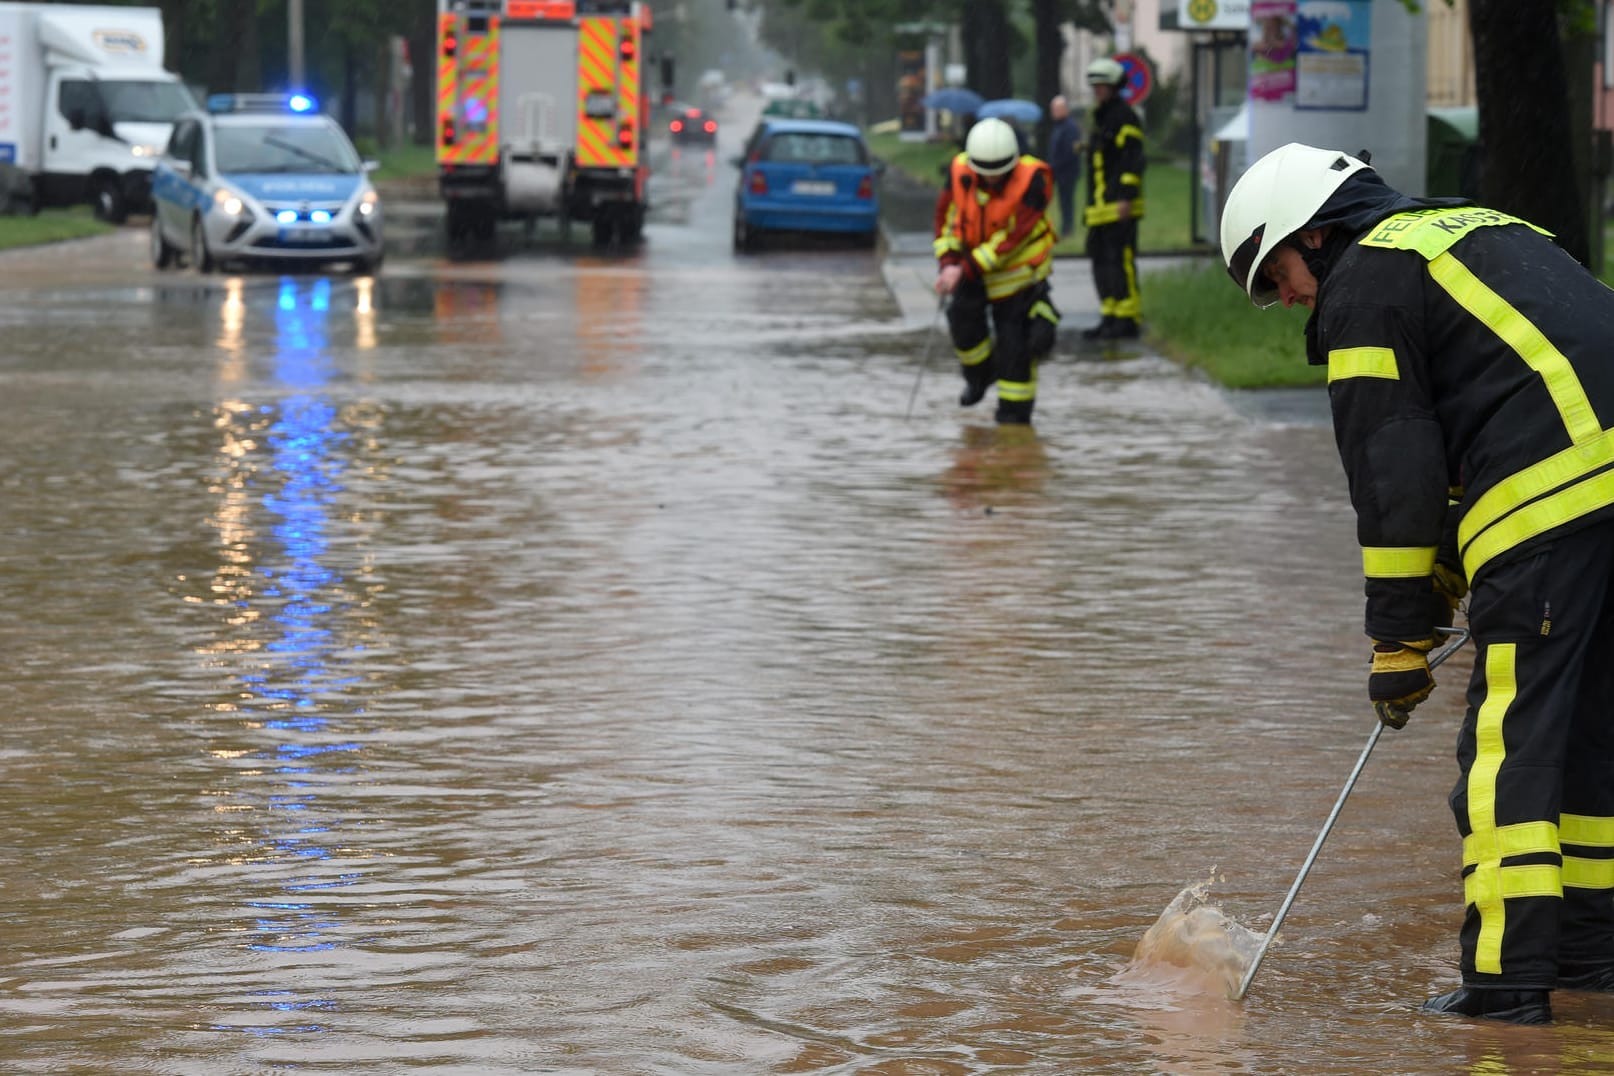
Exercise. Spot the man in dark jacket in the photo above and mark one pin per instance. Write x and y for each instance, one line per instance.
(1114, 203)
(1468, 365)
(1064, 157)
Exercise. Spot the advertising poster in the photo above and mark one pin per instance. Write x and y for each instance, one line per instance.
(1332, 62)
(1274, 42)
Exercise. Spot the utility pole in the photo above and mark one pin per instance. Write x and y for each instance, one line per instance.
(294, 41)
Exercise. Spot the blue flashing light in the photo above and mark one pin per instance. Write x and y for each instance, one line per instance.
(320, 216)
(286, 216)
(299, 103)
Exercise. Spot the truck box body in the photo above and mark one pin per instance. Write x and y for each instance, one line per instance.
(85, 103)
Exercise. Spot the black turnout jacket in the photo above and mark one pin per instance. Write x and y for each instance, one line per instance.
(1469, 359)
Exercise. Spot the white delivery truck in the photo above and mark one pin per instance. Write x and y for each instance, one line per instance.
(85, 105)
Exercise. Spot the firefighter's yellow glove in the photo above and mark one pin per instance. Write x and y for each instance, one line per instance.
(1400, 679)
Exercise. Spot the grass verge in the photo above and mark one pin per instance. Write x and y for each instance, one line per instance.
(400, 162)
(50, 226)
(1194, 314)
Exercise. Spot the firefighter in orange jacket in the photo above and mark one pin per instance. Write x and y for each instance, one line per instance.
(995, 249)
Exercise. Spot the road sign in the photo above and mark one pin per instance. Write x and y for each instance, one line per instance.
(1139, 79)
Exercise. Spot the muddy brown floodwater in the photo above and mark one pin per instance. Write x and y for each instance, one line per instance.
(576, 664)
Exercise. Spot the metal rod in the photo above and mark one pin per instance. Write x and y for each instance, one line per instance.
(930, 343)
(1460, 637)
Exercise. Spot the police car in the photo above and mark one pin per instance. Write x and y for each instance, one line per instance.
(263, 178)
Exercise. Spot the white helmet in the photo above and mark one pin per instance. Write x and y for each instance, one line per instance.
(1274, 199)
(1107, 71)
(991, 147)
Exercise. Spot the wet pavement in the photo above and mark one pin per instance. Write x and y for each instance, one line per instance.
(574, 662)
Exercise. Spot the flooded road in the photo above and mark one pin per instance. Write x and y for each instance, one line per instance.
(574, 663)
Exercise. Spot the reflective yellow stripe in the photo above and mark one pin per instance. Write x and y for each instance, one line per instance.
(1044, 309)
(1483, 888)
(1129, 305)
(1539, 517)
(1508, 883)
(1519, 333)
(975, 355)
(1572, 463)
(1102, 212)
(1127, 130)
(1431, 232)
(1348, 362)
(1397, 562)
(1006, 282)
(947, 244)
(1131, 179)
(1588, 831)
(1016, 391)
(1583, 873)
(1519, 839)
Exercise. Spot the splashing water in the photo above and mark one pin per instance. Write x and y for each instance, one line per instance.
(1193, 946)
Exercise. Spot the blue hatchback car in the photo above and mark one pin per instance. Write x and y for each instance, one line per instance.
(808, 176)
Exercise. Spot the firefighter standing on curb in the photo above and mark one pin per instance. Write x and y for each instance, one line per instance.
(995, 249)
(1468, 356)
(1114, 202)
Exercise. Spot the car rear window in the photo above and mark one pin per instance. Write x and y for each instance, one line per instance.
(803, 148)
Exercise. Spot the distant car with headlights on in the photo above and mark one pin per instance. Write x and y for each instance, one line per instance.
(807, 176)
(693, 126)
(263, 178)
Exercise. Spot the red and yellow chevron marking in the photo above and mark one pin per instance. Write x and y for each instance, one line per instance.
(474, 78)
(597, 63)
(627, 85)
(447, 80)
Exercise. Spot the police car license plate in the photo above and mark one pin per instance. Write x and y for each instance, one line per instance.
(813, 186)
(294, 236)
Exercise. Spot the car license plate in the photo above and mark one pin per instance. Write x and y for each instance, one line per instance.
(813, 186)
(302, 235)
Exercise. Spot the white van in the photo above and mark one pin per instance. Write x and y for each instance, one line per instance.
(85, 105)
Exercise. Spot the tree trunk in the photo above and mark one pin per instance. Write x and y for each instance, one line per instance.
(235, 64)
(1050, 48)
(1526, 136)
(985, 29)
(423, 82)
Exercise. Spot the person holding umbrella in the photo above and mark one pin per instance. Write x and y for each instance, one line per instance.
(1114, 203)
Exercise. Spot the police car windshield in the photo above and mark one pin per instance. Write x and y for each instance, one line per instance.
(144, 102)
(263, 149)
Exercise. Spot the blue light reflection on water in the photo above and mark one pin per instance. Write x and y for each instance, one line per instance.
(298, 696)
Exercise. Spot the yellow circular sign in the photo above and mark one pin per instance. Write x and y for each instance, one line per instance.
(1202, 10)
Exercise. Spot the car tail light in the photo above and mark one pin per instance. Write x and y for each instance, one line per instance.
(711, 127)
(759, 183)
(624, 136)
(865, 188)
(677, 125)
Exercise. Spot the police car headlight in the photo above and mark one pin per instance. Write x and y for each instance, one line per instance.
(369, 203)
(146, 151)
(229, 204)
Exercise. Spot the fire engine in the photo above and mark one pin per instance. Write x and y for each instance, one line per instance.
(541, 111)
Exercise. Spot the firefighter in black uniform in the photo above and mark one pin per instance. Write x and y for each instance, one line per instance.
(1114, 203)
(1468, 357)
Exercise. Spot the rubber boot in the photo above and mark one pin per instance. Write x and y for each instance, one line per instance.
(1099, 331)
(1510, 1006)
(1120, 329)
(1598, 977)
(1015, 412)
(975, 386)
